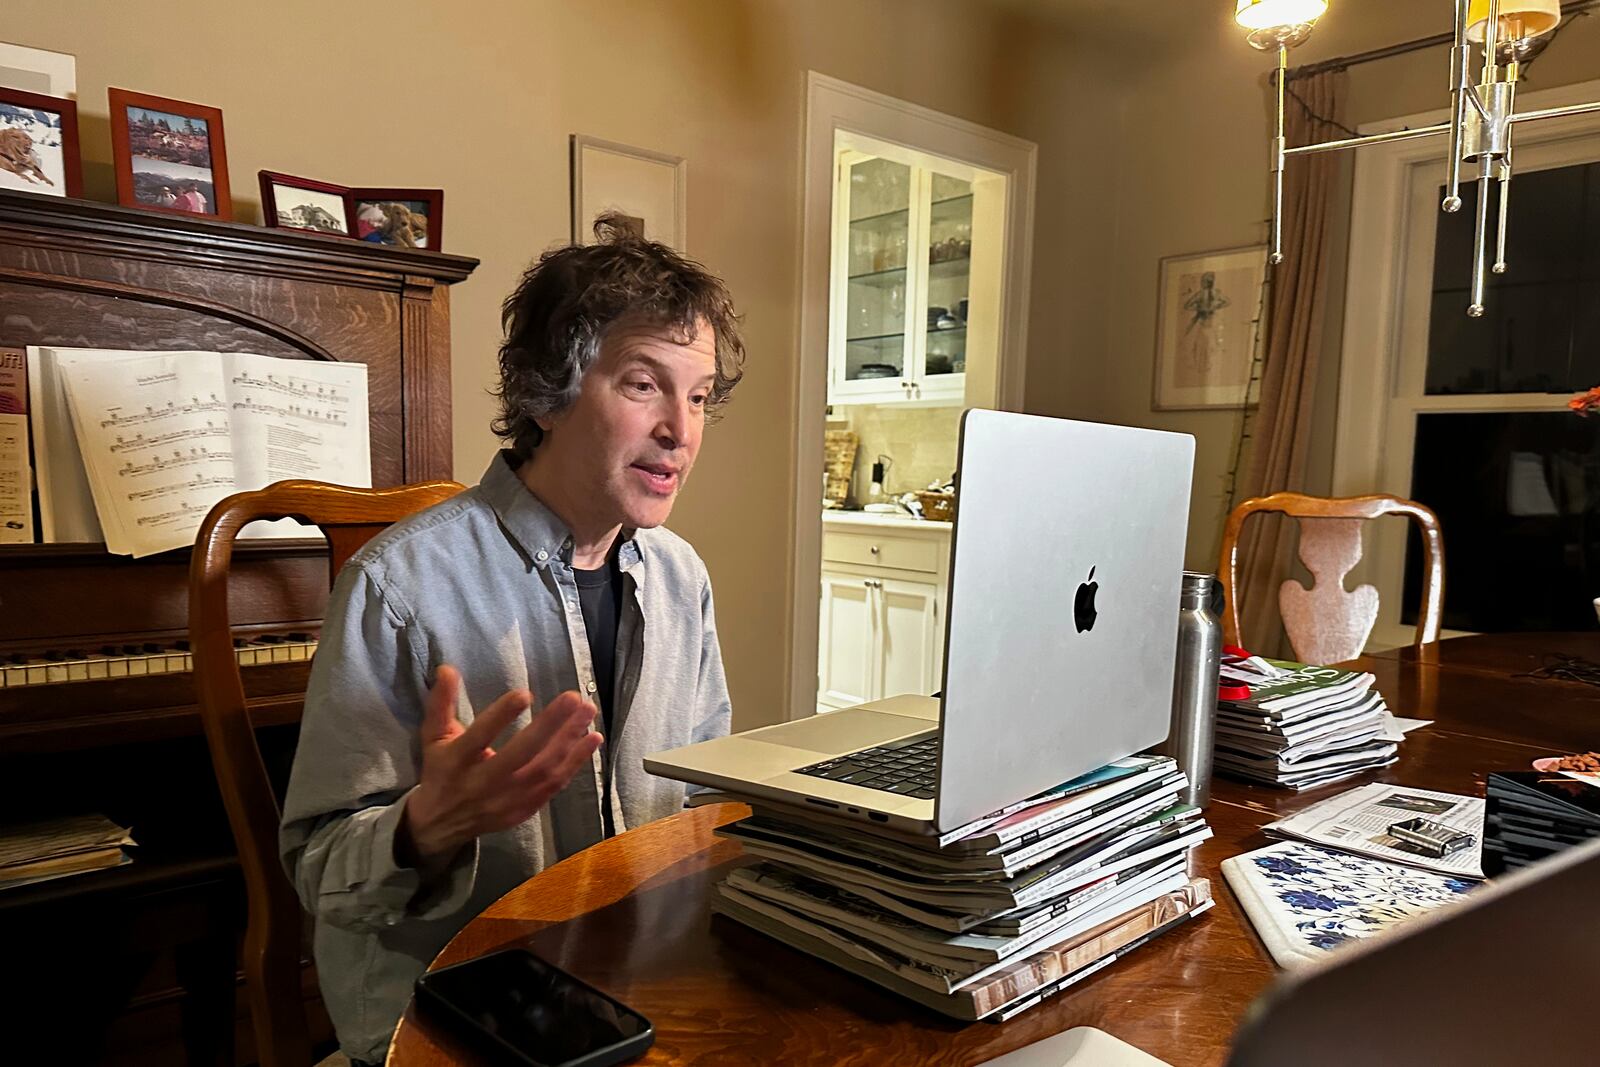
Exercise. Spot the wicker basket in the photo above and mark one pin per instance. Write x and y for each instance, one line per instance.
(938, 506)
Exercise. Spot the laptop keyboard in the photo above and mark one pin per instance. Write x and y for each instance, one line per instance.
(909, 768)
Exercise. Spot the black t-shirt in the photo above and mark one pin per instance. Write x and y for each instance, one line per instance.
(600, 599)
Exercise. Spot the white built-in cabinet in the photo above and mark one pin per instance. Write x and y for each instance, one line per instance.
(883, 609)
(914, 276)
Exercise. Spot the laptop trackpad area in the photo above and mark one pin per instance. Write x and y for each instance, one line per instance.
(839, 732)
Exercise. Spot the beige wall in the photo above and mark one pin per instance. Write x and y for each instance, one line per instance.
(479, 97)
(1190, 155)
(1151, 144)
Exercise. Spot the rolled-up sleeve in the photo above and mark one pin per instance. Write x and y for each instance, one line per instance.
(357, 760)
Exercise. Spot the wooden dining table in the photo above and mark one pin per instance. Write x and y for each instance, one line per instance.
(630, 915)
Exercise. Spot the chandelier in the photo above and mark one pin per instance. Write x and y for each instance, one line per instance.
(1507, 34)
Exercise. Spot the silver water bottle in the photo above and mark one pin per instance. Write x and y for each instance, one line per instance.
(1194, 686)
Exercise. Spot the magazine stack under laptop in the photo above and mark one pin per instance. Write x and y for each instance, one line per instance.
(1297, 725)
(987, 920)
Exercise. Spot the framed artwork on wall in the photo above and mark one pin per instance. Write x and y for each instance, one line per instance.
(406, 218)
(39, 144)
(291, 203)
(169, 155)
(648, 188)
(1205, 328)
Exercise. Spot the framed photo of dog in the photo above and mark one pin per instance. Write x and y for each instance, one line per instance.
(39, 144)
(405, 218)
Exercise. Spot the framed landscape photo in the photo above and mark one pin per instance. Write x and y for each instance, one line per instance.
(169, 155)
(291, 203)
(647, 188)
(1206, 309)
(405, 218)
(39, 144)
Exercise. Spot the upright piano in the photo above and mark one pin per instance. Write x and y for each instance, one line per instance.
(137, 964)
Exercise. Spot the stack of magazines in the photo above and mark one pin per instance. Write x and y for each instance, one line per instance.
(1297, 725)
(1534, 814)
(988, 919)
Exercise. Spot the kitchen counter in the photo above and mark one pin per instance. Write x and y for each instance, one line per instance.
(836, 517)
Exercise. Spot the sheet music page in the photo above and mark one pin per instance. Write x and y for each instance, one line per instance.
(16, 476)
(297, 418)
(156, 437)
(16, 481)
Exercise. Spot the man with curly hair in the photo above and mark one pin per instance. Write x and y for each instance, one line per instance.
(427, 781)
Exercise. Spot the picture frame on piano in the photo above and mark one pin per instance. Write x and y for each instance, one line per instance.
(39, 144)
(305, 204)
(169, 155)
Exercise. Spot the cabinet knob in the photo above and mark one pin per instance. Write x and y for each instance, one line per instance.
(874, 550)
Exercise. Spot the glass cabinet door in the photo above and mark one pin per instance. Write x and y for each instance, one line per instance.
(949, 276)
(879, 239)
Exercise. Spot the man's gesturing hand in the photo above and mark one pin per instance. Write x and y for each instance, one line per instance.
(468, 788)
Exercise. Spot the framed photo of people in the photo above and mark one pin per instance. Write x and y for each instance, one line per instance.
(1207, 305)
(405, 218)
(169, 155)
(39, 144)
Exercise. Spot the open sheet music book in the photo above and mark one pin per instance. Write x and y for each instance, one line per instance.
(134, 448)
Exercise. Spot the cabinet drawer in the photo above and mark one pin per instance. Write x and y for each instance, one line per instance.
(882, 550)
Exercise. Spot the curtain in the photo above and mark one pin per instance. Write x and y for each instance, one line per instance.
(1289, 363)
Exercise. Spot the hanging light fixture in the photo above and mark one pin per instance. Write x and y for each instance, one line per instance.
(1507, 33)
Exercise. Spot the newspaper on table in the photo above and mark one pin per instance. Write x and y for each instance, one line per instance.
(1358, 821)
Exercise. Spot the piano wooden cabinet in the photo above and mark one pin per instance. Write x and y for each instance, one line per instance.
(81, 274)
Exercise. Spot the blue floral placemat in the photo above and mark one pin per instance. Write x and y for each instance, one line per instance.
(1304, 900)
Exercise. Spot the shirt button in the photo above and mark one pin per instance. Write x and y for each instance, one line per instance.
(541, 555)
(590, 687)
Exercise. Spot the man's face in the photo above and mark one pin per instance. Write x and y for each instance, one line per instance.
(625, 447)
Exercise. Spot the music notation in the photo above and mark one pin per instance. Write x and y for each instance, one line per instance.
(158, 413)
(139, 441)
(164, 436)
(185, 510)
(179, 458)
(199, 481)
(288, 386)
(294, 411)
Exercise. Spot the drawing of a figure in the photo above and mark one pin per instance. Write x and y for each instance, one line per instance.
(1201, 342)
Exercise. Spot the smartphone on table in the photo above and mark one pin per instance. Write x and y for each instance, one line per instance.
(517, 1008)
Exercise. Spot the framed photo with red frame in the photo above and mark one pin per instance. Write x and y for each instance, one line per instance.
(406, 218)
(291, 203)
(169, 155)
(39, 144)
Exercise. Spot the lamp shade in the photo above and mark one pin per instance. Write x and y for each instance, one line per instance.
(1272, 14)
(1519, 19)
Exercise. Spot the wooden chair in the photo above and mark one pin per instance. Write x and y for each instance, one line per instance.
(272, 941)
(1327, 623)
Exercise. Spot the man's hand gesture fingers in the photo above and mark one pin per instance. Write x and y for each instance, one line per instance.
(567, 714)
(491, 722)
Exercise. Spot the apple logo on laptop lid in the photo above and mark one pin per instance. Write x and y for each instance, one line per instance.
(1083, 609)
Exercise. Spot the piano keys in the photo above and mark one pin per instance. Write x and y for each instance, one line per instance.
(55, 667)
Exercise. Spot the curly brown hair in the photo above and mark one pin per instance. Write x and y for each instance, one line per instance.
(561, 310)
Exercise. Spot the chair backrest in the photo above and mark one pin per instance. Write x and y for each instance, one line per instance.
(349, 518)
(1327, 623)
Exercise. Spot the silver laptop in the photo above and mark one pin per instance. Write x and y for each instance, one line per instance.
(1066, 560)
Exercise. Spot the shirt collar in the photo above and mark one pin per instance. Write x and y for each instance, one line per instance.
(543, 537)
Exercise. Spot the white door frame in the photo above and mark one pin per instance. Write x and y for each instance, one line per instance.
(1367, 446)
(833, 105)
